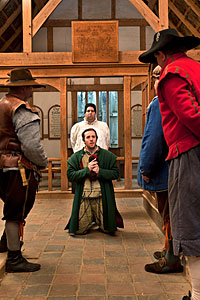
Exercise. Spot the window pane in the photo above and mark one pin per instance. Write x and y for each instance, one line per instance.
(113, 119)
(92, 97)
(103, 106)
(81, 101)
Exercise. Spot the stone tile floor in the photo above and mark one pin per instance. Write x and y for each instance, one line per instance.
(92, 267)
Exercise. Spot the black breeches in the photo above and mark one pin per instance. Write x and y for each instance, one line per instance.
(13, 194)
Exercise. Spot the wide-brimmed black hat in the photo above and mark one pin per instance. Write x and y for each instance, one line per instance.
(168, 39)
(21, 77)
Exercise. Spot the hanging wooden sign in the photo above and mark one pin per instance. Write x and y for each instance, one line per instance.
(95, 41)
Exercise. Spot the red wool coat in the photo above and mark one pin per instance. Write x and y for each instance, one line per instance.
(179, 98)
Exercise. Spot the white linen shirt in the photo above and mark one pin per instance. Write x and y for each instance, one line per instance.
(101, 128)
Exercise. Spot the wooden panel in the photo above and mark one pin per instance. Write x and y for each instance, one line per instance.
(64, 136)
(95, 41)
(127, 133)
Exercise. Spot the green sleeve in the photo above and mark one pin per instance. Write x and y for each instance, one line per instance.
(77, 175)
(110, 173)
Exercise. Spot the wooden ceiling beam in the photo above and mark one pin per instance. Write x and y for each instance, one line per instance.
(80, 13)
(152, 3)
(27, 25)
(60, 59)
(171, 25)
(193, 6)
(122, 22)
(44, 13)
(163, 14)
(64, 60)
(10, 20)
(3, 4)
(182, 18)
(39, 4)
(9, 42)
(155, 22)
(147, 13)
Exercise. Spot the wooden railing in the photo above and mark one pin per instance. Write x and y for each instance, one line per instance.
(57, 169)
(51, 170)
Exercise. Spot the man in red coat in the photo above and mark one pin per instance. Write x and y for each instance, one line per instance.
(179, 99)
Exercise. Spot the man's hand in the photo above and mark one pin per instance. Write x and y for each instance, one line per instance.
(92, 165)
(96, 170)
(147, 179)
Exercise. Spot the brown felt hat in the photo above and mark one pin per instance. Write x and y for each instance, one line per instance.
(168, 39)
(21, 77)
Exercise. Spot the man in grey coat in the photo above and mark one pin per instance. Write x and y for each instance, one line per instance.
(21, 157)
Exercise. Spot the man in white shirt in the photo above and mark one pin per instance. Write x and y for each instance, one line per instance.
(90, 121)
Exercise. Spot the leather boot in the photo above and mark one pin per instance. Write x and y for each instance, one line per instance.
(17, 263)
(3, 243)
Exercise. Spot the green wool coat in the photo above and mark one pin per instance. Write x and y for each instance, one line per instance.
(108, 171)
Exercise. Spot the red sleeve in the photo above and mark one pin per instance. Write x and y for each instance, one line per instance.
(181, 100)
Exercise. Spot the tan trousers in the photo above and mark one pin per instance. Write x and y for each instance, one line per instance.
(91, 211)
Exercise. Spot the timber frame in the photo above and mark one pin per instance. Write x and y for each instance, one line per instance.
(54, 68)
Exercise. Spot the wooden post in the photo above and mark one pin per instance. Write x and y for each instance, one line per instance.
(163, 14)
(127, 133)
(27, 25)
(64, 135)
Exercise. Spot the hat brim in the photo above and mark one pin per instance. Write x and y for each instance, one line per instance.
(32, 83)
(172, 43)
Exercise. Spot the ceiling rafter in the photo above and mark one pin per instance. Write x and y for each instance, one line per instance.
(193, 6)
(10, 20)
(12, 38)
(146, 12)
(183, 20)
(44, 13)
(3, 4)
(157, 23)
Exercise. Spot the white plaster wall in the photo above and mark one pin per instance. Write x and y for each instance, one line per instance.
(93, 9)
(136, 97)
(129, 38)
(111, 80)
(45, 100)
(67, 9)
(40, 41)
(125, 10)
(149, 36)
(62, 39)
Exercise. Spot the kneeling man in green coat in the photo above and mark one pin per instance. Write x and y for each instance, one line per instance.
(93, 168)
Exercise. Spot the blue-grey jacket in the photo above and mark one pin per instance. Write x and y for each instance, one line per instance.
(153, 152)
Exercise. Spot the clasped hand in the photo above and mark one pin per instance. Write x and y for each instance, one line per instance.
(93, 166)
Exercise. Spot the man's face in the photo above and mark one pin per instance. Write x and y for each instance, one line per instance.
(160, 57)
(90, 140)
(90, 114)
